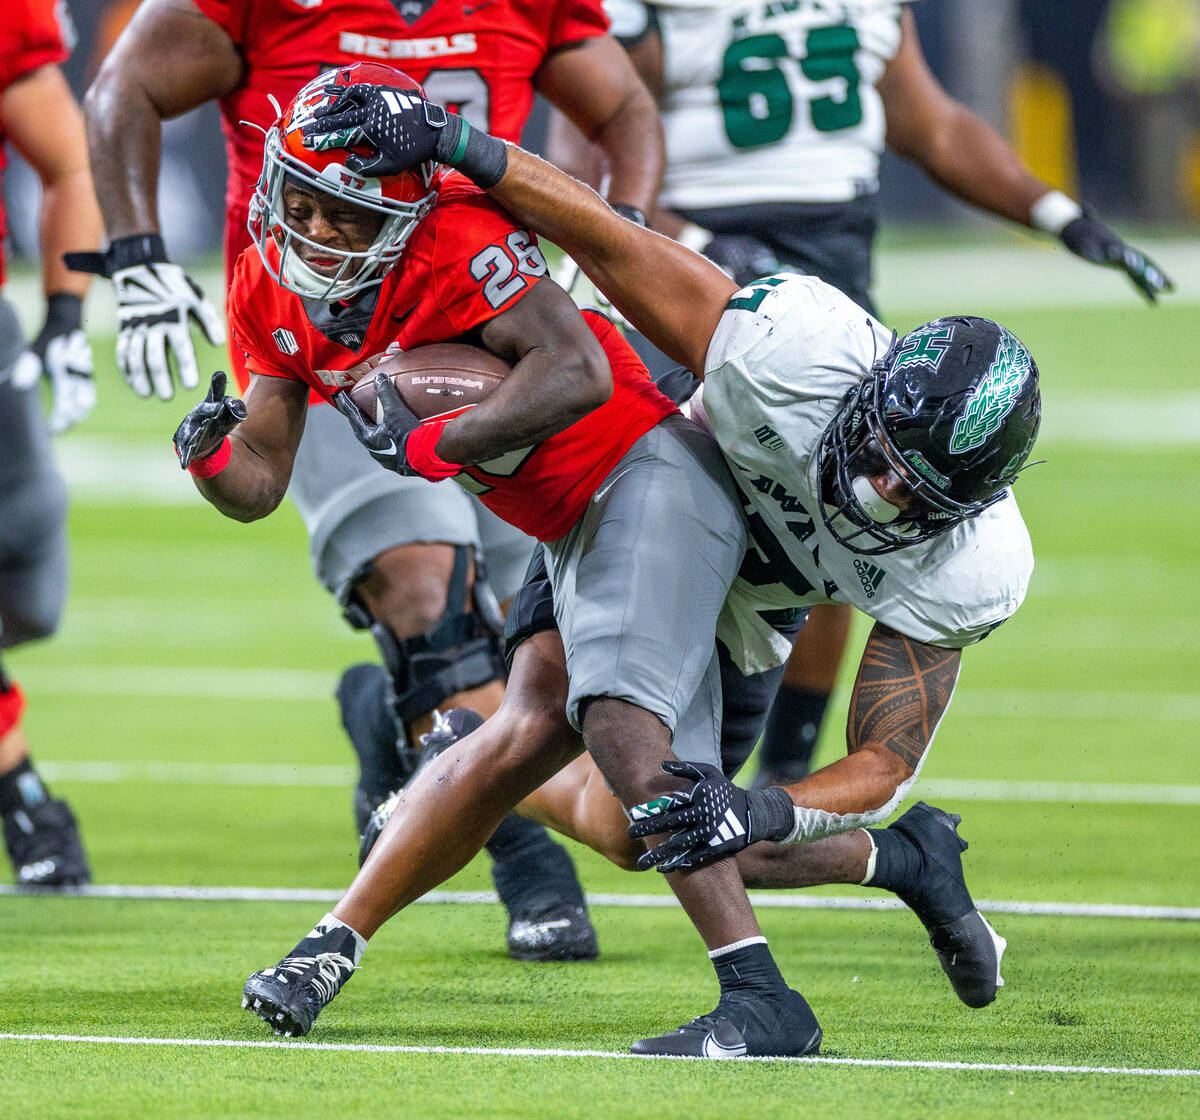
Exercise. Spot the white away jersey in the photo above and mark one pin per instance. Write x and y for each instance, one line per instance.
(782, 358)
(773, 100)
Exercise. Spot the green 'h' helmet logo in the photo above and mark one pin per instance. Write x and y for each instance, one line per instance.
(995, 396)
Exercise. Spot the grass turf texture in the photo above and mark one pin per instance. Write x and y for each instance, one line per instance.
(173, 604)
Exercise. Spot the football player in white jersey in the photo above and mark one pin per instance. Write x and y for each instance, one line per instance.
(845, 445)
(776, 116)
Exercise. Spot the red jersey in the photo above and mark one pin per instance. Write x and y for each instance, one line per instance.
(477, 58)
(464, 264)
(30, 36)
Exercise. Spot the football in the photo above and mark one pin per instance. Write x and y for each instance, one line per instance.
(433, 380)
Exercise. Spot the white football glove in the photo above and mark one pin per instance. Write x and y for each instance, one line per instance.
(62, 355)
(155, 306)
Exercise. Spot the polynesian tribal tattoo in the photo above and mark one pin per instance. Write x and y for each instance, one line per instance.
(903, 688)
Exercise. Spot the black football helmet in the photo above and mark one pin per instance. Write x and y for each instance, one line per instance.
(953, 408)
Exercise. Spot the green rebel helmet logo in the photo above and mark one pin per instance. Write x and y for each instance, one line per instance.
(993, 400)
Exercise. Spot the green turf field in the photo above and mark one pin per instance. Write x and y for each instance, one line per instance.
(185, 709)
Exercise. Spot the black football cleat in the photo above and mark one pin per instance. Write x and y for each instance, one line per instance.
(743, 1026)
(44, 846)
(551, 928)
(967, 947)
(364, 701)
(447, 729)
(290, 996)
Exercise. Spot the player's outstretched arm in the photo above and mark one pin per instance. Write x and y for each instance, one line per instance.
(963, 153)
(170, 58)
(672, 295)
(69, 219)
(240, 452)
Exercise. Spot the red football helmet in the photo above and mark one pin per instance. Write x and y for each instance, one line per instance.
(402, 199)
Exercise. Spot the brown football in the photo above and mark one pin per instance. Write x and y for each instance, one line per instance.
(431, 380)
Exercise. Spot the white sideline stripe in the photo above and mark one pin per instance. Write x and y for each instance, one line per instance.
(763, 900)
(255, 774)
(317, 685)
(524, 1052)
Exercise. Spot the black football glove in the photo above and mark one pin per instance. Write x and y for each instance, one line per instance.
(712, 820)
(385, 440)
(206, 426)
(1091, 239)
(399, 125)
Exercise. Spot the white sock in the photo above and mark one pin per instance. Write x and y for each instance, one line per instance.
(329, 923)
(713, 954)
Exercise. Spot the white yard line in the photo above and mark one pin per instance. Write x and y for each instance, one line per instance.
(317, 685)
(772, 900)
(334, 777)
(523, 1052)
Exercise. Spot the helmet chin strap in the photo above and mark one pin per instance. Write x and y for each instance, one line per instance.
(876, 508)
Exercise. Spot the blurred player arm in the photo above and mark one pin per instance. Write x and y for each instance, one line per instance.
(959, 150)
(596, 87)
(69, 219)
(169, 59)
(240, 452)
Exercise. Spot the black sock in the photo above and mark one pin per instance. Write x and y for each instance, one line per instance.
(750, 969)
(527, 864)
(897, 860)
(792, 730)
(21, 788)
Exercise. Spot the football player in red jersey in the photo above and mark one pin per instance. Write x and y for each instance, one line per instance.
(603, 455)
(40, 833)
(395, 553)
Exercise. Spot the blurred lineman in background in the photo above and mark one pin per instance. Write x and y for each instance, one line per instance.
(776, 116)
(40, 832)
(400, 556)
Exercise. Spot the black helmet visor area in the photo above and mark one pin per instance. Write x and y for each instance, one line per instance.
(856, 444)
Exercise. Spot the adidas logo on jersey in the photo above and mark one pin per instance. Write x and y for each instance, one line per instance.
(869, 576)
(285, 340)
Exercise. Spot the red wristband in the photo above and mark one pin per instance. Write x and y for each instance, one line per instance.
(420, 453)
(12, 704)
(214, 463)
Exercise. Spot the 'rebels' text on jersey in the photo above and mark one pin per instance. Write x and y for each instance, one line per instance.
(465, 263)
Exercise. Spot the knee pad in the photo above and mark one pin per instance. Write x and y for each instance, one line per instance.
(461, 651)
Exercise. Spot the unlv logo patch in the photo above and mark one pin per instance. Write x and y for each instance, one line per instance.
(412, 10)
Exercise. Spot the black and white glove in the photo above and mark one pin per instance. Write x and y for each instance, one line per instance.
(62, 355)
(402, 131)
(712, 820)
(204, 428)
(156, 302)
(1089, 238)
(385, 440)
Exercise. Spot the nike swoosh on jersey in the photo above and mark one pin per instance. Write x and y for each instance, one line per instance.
(405, 314)
(607, 485)
(477, 7)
